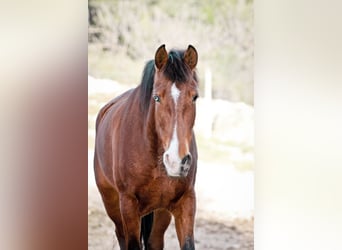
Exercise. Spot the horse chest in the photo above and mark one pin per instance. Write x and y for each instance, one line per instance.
(160, 193)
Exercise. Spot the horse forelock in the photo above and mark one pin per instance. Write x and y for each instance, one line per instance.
(175, 69)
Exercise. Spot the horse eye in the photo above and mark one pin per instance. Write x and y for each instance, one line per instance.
(194, 98)
(156, 98)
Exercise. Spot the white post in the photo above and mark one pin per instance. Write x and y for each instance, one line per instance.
(208, 103)
(207, 84)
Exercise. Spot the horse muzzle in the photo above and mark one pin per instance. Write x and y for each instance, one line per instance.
(176, 167)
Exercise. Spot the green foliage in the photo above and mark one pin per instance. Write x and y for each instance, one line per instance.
(127, 33)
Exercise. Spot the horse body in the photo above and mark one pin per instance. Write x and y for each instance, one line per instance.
(132, 151)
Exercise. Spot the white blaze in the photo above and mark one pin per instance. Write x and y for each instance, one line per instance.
(171, 156)
(175, 93)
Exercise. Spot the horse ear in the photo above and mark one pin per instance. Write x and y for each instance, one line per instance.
(191, 57)
(160, 57)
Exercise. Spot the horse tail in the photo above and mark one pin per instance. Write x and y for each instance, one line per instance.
(146, 228)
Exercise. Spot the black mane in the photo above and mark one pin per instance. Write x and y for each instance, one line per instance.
(175, 70)
(147, 85)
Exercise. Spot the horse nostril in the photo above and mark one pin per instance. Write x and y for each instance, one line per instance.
(167, 157)
(186, 159)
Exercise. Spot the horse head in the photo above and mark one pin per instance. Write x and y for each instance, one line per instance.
(175, 91)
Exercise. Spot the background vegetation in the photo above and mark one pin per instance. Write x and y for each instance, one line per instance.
(124, 34)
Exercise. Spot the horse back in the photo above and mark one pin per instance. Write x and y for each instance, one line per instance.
(112, 105)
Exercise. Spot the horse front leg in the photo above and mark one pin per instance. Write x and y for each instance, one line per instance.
(161, 221)
(131, 221)
(184, 213)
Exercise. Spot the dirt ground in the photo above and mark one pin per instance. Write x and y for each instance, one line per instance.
(224, 217)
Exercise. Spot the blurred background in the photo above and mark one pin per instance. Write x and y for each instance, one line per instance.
(122, 37)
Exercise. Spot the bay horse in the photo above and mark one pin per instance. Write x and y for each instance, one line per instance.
(146, 156)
